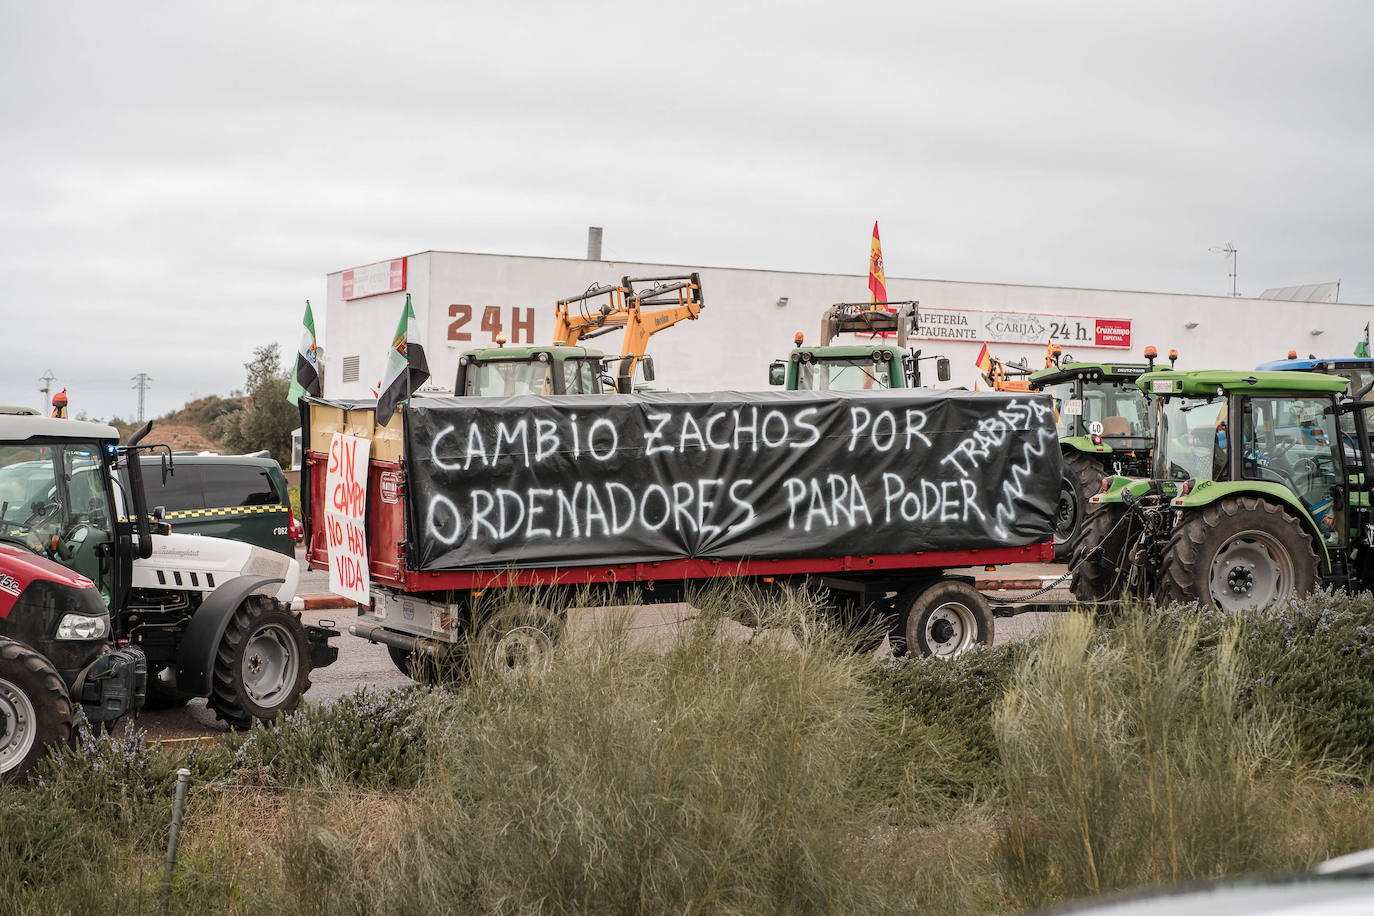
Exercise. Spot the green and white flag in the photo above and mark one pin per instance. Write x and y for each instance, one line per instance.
(406, 367)
(1362, 348)
(306, 379)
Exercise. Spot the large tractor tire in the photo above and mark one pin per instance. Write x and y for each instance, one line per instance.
(1082, 479)
(35, 710)
(945, 618)
(1236, 553)
(1099, 560)
(262, 665)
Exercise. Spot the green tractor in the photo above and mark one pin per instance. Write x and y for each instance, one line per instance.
(503, 371)
(1257, 494)
(880, 363)
(1106, 426)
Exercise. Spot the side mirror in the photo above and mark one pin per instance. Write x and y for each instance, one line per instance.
(646, 368)
(942, 368)
(777, 372)
(159, 513)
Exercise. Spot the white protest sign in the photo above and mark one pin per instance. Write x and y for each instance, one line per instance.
(345, 493)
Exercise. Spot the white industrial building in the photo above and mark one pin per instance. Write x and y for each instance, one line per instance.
(463, 300)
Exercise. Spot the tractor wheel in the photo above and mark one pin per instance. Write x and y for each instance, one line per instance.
(162, 692)
(1236, 553)
(262, 666)
(1099, 560)
(1082, 478)
(35, 710)
(517, 641)
(945, 618)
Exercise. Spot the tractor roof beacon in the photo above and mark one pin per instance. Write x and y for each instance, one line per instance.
(195, 616)
(1258, 493)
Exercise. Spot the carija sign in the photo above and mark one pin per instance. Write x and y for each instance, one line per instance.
(1022, 328)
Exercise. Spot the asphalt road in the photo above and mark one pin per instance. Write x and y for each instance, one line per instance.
(364, 664)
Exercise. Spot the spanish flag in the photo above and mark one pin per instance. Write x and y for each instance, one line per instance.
(984, 360)
(877, 280)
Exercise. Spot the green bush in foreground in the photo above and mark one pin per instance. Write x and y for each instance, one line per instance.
(937, 748)
(1314, 660)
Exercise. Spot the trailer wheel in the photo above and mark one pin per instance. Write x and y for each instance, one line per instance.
(423, 668)
(1239, 552)
(1099, 560)
(1082, 478)
(35, 710)
(946, 618)
(517, 641)
(262, 665)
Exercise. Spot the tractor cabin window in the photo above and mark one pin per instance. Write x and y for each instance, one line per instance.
(1293, 442)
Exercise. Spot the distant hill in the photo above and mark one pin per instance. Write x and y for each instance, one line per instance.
(191, 428)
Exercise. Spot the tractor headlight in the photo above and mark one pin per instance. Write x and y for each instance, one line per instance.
(81, 626)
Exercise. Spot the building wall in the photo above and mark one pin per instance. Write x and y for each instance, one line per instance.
(742, 327)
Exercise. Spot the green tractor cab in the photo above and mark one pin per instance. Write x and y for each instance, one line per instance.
(1257, 493)
(503, 371)
(885, 362)
(1106, 427)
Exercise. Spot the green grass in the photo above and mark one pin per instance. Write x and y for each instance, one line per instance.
(719, 772)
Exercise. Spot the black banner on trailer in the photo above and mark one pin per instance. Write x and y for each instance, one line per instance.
(588, 480)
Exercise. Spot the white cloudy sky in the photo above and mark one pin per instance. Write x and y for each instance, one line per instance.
(179, 177)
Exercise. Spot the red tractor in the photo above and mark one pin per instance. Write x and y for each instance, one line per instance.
(57, 654)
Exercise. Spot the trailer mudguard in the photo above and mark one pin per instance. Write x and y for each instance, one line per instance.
(1208, 492)
(196, 654)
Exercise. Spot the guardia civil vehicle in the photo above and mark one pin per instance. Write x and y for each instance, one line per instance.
(1258, 492)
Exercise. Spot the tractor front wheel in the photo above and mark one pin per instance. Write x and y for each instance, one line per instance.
(1099, 560)
(35, 710)
(1239, 552)
(262, 666)
(1082, 479)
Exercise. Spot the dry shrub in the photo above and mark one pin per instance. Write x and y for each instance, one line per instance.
(717, 775)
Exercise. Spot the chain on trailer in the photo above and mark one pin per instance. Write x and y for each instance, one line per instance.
(1073, 565)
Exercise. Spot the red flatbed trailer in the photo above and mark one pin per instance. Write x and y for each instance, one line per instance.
(912, 596)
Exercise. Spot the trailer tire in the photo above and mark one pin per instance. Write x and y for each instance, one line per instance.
(945, 618)
(35, 710)
(517, 641)
(262, 664)
(1082, 478)
(423, 668)
(1099, 560)
(1238, 552)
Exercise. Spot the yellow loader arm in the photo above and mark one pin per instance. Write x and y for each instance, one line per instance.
(642, 313)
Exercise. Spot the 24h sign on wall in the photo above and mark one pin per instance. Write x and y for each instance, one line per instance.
(1023, 328)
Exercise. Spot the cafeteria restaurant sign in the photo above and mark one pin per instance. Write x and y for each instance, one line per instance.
(1022, 328)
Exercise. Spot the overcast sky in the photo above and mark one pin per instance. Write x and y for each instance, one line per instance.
(179, 177)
